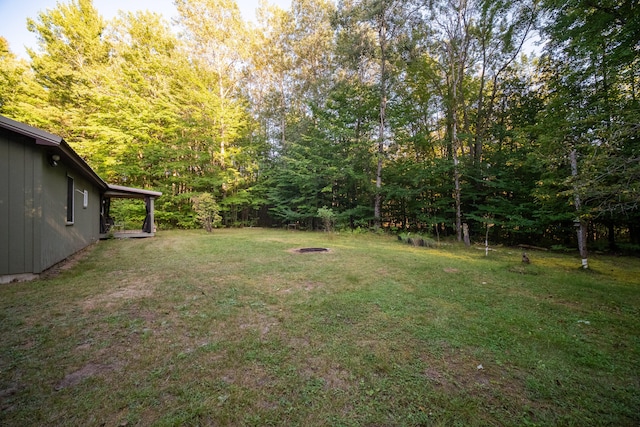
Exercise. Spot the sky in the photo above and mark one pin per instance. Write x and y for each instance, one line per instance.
(14, 14)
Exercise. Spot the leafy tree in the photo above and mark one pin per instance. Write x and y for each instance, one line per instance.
(138, 112)
(11, 71)
(300, 179)
(331, 164)
(206, 210)
(592, 69)
(293, 67)
(454, 50)
(376, 25)
(412, 114)
(328, 218)
(461, 54)
(217, 118)
(70, 64)
(217, 34)
(502, 28)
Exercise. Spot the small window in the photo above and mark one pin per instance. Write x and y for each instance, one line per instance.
(70, 191)
(85, 199)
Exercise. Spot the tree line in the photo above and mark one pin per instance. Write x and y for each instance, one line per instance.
(416, 115)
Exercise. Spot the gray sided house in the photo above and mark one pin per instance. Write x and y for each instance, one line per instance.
(52, 204)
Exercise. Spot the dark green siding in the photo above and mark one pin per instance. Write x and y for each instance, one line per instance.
(60, 239)
(4, 204)
(34, 233)
(17, 188)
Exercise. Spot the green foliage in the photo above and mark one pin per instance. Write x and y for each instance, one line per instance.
(128, 213)
(11, 76)
(592, 68)
(129, 98)
(206, 210)
(328, 218)
(414, 115)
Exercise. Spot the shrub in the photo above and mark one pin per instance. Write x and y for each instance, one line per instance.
(328, 217)
(206, 210)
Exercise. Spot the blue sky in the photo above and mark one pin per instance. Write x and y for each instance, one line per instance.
(14, 14)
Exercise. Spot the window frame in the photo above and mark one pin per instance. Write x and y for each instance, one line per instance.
(71, 189)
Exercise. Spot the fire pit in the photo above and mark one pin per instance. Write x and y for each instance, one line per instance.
(308, 250)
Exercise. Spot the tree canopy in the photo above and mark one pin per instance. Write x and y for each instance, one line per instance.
(419, 115)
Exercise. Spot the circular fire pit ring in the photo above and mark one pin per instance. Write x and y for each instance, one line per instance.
(311, 250)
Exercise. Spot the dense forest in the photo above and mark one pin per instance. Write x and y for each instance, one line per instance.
(417, 115)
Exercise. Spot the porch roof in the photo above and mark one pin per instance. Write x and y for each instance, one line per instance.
(118, 191)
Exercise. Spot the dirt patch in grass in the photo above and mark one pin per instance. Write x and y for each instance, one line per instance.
(87, 371)
(252, 377)
(333, 377)
(435, 376)
(258, 322)
(457, 372)
(130, 291)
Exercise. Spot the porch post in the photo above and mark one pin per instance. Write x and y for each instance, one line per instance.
(149, 220)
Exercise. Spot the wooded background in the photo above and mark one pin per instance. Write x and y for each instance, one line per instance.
(417, 115)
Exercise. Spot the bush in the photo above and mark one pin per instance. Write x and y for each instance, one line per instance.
(328, 217)
(417, 240)
(206, 210)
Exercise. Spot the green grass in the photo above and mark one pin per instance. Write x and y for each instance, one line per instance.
(233, 328)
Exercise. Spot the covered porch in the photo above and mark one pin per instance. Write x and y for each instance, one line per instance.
(109, 227)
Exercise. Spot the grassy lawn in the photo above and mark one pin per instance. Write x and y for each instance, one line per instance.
(234, 328)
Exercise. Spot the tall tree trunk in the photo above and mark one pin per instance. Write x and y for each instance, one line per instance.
(222, 116)
(476, 147)
(580, 223)
(456, 176)
(283, 117)
(377, 208)
(457, 52)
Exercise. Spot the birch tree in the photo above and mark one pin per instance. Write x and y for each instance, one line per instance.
(217, 36)
(591, 66)
(453, 46)
(376, 25)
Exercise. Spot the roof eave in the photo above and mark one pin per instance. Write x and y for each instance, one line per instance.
(119, 191)
(57, 146)
(80, 164)
(42, 137)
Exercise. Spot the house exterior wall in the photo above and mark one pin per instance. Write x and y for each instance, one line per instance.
(59, 238)
(19, 222)
(34, 233)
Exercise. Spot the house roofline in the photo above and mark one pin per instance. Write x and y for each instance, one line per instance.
(79, 163)
(57, 145)
(42, 137)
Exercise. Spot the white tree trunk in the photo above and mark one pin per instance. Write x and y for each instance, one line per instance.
(580, 224)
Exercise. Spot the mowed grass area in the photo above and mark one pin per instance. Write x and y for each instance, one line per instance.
(233, 328)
